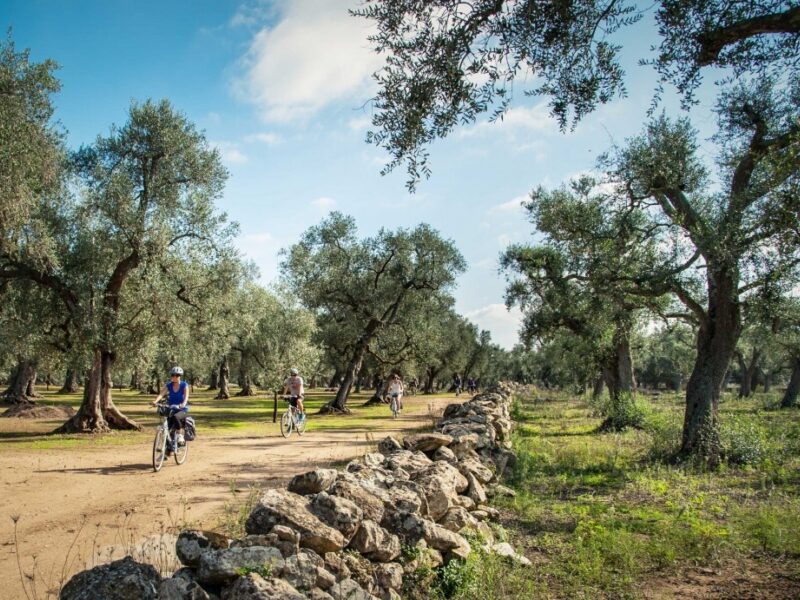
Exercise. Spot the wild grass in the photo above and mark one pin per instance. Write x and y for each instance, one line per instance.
(604, 515)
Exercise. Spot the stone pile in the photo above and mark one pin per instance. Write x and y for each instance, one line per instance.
(355, 533)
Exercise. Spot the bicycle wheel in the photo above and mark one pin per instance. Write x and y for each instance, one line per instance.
(159, 449)
(181, 453)
(393, 406)
(286, 424)
(300, 425)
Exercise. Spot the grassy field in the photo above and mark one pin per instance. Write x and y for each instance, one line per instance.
(232, 417)
(602, 515)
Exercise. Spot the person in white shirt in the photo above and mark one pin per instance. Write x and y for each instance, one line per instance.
(395, 389)
(294, 387)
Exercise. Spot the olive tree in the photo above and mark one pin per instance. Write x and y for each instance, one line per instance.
(371, 283)
(144, 205)
(723, 237)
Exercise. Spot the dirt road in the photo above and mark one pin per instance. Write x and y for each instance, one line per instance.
(80, 507)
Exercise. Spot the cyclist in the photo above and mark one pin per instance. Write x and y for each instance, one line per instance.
(457, 383)
(177, 394)
(294, 386)
(412, 386)
(472, 387)
(395, 390)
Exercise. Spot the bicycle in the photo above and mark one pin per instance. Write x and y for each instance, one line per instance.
(394, 404)
(163, 434)
(291, 419)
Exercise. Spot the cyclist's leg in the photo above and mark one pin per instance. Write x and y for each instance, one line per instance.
(300, 406)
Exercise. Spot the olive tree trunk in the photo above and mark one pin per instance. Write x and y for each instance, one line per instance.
(717, 337)
(790, 396)
(224, 373)
(71, 381)
(17, 391)
(97, 412)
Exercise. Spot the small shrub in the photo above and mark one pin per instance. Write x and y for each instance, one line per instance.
(627, 411)
(744, 442)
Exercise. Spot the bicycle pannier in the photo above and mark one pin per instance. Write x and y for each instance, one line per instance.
(189, 429)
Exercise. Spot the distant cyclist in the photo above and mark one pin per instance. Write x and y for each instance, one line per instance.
(472, 387)
(457, 383)
(177, 394)
(395, 390)
(294, 387)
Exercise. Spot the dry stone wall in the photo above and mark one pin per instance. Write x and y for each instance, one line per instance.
(357, 533)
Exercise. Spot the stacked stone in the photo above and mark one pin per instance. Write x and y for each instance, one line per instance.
(354, 533)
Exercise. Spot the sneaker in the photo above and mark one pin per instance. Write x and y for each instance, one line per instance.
(181, 440)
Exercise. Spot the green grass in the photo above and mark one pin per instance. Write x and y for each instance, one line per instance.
(237, 416)
(603, 515)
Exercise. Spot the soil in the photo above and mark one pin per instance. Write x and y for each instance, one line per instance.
(33, 411)
(79, 507)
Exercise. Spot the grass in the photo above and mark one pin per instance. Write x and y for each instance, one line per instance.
(237, 416)
(602, 515)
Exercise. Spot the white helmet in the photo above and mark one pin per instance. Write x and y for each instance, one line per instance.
(176, 371)
(293, 371)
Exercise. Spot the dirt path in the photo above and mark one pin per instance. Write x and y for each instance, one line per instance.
(81, 506)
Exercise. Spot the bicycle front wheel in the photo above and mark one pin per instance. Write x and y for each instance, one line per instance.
(159, 449)
(394, 408)
(181, 453)
(300, 425)
(286, 424)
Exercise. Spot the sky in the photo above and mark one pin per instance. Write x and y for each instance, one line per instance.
(283, 88)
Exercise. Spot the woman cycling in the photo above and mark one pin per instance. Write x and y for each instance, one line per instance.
(177, 393)
(395, 390)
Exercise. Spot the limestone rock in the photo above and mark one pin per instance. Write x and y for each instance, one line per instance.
(254, 587)
(426, 442)
(179, 588)
(340, 513)
(371, 506)
(279, 507)
(476, 468)
(505, 549)
(192, 543)
(312, 482)
(123, 579)
(389, 445)
(221, 566)
(389, 575)
(374, 542)
(445, 454)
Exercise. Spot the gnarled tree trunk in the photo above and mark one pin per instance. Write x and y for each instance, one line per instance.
(17, 391)
(716, 343)
(790, 396)
(213, 380)
(97, 412)
(70, 382)
(224, 372)
(430, 378)
(619, 379)
(748, 373)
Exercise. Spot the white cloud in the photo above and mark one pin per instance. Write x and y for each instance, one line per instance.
(230, 152)
(360, 123)
(258, 238)
(512, 206)
(271, 139)
(504, 324)
(503, 240)
(314, 55)
(324, 203)
(518, 119)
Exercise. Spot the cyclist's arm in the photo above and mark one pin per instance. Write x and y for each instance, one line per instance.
(185, 398)
(161, 394)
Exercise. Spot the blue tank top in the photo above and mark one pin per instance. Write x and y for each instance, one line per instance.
(176, 397)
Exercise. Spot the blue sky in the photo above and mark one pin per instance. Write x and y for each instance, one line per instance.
(282, 88)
